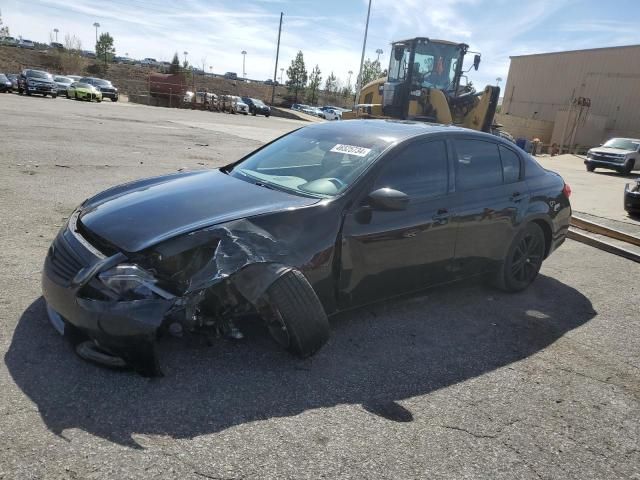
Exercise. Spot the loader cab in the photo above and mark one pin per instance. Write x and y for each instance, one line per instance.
(421, 63)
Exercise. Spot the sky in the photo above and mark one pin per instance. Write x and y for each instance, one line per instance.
(328, 32)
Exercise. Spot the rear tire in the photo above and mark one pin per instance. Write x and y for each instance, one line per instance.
(114, 99)
(297, 320)
(523, 260)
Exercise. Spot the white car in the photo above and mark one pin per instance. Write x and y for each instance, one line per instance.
(240, 106)
(26, 44)
(331, 114)
(620, 154)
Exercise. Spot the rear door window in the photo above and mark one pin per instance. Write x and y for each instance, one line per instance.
(420, 170)
(510, 165)
(477, 164)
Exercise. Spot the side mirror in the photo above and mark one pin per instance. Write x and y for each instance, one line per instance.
(388, 199)
(476, 61)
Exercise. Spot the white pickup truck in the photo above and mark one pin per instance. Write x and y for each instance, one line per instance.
(620, 154)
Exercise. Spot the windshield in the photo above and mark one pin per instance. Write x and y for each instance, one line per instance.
(102, 83)
(82, 85)
(3, 78)
(315, 161)
(38, 74)
(259, 103)
(434, 64)
(622, 144)
(62, 80)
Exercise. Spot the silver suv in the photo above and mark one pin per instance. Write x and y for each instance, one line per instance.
(620, 154)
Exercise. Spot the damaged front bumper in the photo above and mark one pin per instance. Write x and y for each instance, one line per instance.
(82, 308)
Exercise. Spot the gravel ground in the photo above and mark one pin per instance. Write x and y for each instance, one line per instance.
(460, 382)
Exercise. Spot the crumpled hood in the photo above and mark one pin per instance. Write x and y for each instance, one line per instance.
(140, 214)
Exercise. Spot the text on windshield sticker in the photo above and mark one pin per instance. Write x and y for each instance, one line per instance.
(351, 150)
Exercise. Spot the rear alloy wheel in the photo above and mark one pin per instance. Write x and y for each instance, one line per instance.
(295, 317)
(523, 260)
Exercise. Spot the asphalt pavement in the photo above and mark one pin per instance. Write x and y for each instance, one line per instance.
(462, 382)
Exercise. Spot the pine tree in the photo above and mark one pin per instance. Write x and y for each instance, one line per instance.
(297, 74)
(314, 84)
(175, 64)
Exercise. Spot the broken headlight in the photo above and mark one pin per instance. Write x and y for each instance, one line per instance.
(132, 282)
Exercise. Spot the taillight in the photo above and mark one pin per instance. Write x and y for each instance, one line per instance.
(566, 190)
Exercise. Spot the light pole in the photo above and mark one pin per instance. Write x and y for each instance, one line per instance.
(56, 32)
(379, 52)
(498, 80)
(97, 25)
(281, 74)
(244, 56)
(185, 56)
(350, 72)
(364, 46)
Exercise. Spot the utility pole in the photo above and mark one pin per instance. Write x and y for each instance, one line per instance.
(97, 25)
(275, 69)
(364, 45)
(244, 72)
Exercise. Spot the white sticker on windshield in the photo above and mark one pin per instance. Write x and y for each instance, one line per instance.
(351, 150)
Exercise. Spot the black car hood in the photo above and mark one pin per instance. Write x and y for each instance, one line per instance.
(138, 215)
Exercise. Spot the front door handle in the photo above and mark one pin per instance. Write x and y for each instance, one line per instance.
(441, 217)
(516, 197)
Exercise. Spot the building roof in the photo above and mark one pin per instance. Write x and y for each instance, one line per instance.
(574, 51)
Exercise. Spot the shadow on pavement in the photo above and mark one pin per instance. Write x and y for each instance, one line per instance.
(377, 356)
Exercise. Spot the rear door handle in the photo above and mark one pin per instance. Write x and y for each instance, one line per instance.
(516, 197)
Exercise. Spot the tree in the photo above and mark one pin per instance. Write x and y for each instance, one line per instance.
(370, 71)
(104, 48)
(4, 30)
(297, 74)
(330, 83)
(314, 85)
(69, 59)
(175, 64)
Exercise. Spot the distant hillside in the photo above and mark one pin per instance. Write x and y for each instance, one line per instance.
(134, 78)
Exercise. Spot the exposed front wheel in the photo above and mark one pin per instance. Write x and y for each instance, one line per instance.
(628, 167)
(523, 260)
(295, 317)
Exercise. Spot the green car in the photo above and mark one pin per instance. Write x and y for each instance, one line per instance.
(84, 91)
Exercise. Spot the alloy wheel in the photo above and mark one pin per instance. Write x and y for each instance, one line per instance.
(527, 258)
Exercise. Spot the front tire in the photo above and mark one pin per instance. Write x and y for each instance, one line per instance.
(628, 167)
(296, 318)
(523, 260)
(114, 99)
(590, 168)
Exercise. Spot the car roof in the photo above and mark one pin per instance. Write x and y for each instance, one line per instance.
(401, 129)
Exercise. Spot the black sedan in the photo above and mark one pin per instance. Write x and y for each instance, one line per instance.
(257, 107)
(326, 218)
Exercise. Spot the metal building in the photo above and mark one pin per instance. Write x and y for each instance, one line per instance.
(590, 95)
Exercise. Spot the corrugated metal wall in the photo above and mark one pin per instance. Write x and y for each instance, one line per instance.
(540, 85)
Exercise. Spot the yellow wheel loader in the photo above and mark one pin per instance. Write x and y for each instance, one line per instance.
(423, 83)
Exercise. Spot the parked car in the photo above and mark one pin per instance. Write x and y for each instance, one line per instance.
(231, 75)
(13, 77)
(75, 78)
(56, 46)
(257, 107)
(620, 154)
(632, 198)
(84, 91)
(268, 81)
(62, 83)
(149, 62)
(105, 86)
(88, 54)
(37, 82)
(317, 112)
(331, 114)
(295, 106)
(239, 106)
(9, 41)
(326, 218)
(5, 84)
(28, 44)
